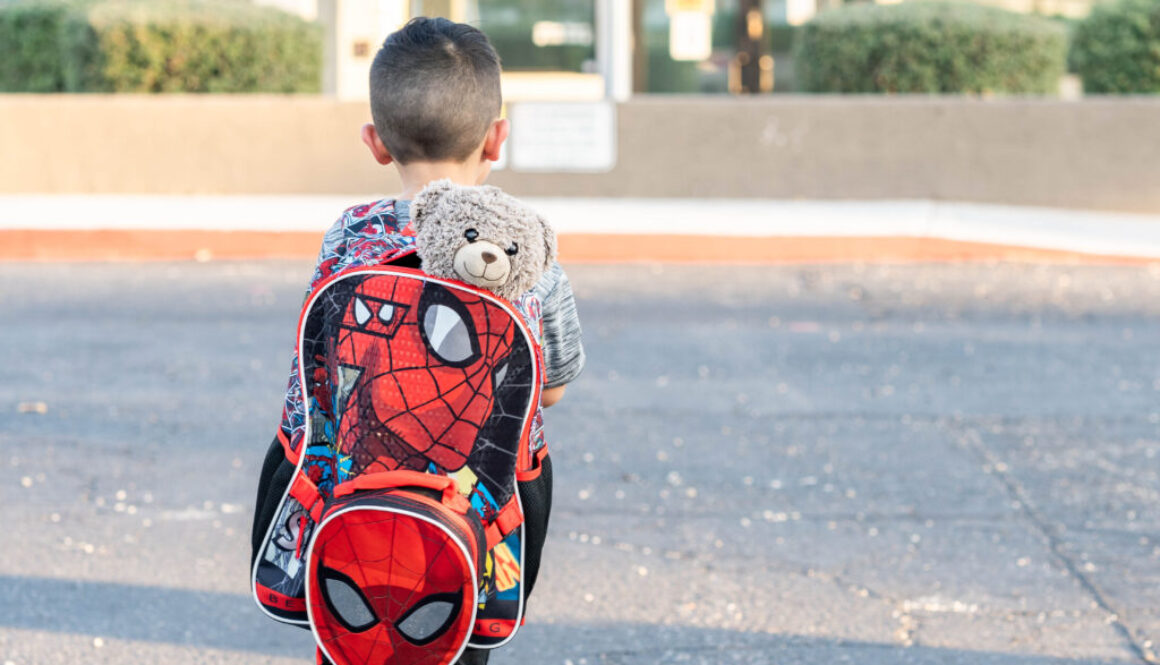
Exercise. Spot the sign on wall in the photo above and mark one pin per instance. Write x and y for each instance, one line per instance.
(562, 136)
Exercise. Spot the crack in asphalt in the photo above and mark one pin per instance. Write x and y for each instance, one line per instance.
(1049, 532)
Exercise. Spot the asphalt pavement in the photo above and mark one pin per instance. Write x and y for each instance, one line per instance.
(865, 464)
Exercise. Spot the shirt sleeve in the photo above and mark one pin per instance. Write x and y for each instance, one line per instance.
(564, 356)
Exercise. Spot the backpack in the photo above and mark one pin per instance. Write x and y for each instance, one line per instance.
(399, 535)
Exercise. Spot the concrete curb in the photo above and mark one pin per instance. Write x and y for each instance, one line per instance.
(102, 227)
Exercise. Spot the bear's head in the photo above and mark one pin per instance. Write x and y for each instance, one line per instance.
(481, 236)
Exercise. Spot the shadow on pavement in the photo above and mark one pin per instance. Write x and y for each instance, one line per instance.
(153, 614)
(230, 621)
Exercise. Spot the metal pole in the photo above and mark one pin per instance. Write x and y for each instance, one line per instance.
(639, 48)
(614, 47)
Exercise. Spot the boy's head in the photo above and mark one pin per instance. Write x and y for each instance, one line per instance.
(435, 92)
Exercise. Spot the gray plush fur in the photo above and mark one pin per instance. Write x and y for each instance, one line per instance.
(443, 211)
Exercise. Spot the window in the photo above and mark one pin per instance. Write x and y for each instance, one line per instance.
(530, 35)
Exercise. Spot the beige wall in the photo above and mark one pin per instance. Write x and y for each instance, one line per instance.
(183, 144)
(1100, 154)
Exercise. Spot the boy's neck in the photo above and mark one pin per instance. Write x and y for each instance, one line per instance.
(417, 175)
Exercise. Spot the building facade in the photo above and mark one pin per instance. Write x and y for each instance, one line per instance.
(602, 49)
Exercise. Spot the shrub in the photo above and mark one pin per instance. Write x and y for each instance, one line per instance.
(31, 53)
(142, 46)
(929, 47)
(781, 37)
(1117, 49)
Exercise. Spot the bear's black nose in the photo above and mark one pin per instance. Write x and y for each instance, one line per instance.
(487, 257)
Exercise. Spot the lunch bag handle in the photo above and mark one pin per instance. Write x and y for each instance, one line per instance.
(406, 478)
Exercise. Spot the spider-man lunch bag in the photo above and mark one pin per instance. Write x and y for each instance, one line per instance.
(400, 535)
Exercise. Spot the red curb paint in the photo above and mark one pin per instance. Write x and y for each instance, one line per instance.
(158, 245)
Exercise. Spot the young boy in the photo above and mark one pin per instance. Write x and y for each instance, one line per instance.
(435, 101)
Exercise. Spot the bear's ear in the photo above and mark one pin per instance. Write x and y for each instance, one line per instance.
(549, 241)
(427, 198)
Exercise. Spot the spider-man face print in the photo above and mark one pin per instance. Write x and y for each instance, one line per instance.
(390, 589)
(415, 365)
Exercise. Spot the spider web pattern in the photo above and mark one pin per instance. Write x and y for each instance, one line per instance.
(493, 457)
(367, 235)
(408, 408)
(397, 561)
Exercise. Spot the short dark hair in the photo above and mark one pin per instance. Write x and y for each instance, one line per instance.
(435, 89)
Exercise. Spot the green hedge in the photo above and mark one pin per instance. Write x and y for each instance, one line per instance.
(929, 47)
(31, 53)
(1117, 49)
(144, 46)
(781, 37)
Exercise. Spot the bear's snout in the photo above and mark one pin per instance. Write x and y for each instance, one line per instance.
(482, 263)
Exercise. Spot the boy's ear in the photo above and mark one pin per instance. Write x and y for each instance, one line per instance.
(371, 138)
(493, 141)
(426, 199)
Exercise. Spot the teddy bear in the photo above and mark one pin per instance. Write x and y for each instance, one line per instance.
(482, 236)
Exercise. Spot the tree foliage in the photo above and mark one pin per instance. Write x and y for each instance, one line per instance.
(929, 47)
(142, 46)
(1117, 49)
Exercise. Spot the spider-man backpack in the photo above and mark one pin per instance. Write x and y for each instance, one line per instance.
(398, 529)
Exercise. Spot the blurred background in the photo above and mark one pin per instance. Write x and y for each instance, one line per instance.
(869, 291)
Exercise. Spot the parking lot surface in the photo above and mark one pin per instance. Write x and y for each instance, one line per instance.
(796, 464)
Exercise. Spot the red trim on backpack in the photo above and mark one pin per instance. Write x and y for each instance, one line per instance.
(305, 492)
(494, 627)
(272, 598)
(523, 459)
(508, 519)
(290, 454)
(534, 472)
